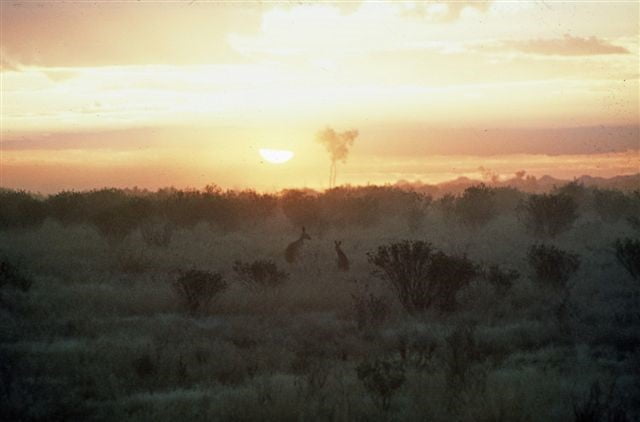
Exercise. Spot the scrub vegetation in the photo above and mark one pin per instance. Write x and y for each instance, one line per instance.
(484, 304)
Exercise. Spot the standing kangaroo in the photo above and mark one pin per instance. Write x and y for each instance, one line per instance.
(343, 261)
(292, 252)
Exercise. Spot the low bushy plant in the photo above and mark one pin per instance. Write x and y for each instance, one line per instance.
(476, 206)
(552, 267)
(628, 255)
(370, 309)
(381, 378)
(260, 274)
(421, 276)
(599, 406)
(461, 353)
(197, 289)
(548, 215)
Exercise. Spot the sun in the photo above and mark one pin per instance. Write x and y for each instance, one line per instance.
(276, 156)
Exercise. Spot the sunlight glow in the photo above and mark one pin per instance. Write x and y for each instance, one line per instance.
(276, 156)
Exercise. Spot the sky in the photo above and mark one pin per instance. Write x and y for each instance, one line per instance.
(186, 93)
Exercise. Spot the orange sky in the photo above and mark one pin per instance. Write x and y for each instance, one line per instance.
(159, 93)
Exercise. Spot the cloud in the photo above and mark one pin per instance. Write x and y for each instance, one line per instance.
(567, 46)
(444, 11)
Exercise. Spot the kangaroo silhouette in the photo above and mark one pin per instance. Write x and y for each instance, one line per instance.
(343, 261)
(292, 253)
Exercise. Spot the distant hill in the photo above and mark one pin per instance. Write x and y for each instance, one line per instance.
(525, 183)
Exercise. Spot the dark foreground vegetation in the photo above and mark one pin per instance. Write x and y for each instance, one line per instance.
(487, 305)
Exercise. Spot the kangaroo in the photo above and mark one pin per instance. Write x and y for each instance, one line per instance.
(343, 261)
(292, 252)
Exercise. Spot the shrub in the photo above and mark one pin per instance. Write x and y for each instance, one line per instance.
(370, 310)
(598, 406)
(421, 276)
(476, 206)
(552, 267)
(20, 209)
(381, 378)
(462, 353)
(260, 274)
(447, 205)
(501, 279)
(10, 275)
(116, 221)
(198, 288)
(611, 205)
(548, 215)
(417, 212)
(634, 222)
(628, 255)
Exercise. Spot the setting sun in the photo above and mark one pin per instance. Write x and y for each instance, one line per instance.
(276, 156)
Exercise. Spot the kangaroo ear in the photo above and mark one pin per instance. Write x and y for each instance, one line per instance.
(303, 230)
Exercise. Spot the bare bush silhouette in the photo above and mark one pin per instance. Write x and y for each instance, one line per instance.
(422, 276)
(548, 215)
(337, 145)
(612, 205)
(197, 289)
(476, 206)
(552, 267)
(599, 406)
(628, 255)
(20, 209)
(260, 274)
(462, 353)
(370, 310)
(381, 378)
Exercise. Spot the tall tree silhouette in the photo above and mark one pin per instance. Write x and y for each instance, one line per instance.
(337, 145)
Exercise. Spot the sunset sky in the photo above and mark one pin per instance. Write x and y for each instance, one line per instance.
(185, 93)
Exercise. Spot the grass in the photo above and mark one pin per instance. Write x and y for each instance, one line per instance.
(102, 335)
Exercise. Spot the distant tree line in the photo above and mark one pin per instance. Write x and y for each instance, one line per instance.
(118, 212)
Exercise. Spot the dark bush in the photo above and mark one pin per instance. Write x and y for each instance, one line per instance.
(381, 378)
(302, 209)
(20, 209)
(198, 288)
(417, 212)
(598, 406)
(421, 276)
(612, 205)
(462, 353)
(628, 255)
(370, 309)
(501, 279)
(116, 221)
(447, 205)
(260, 274)
(634, 222)
(552, 267)
(575, 190)
(548, 215)
(11, 275)
(476, 206)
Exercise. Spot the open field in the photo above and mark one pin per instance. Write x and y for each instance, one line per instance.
(97, 323)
